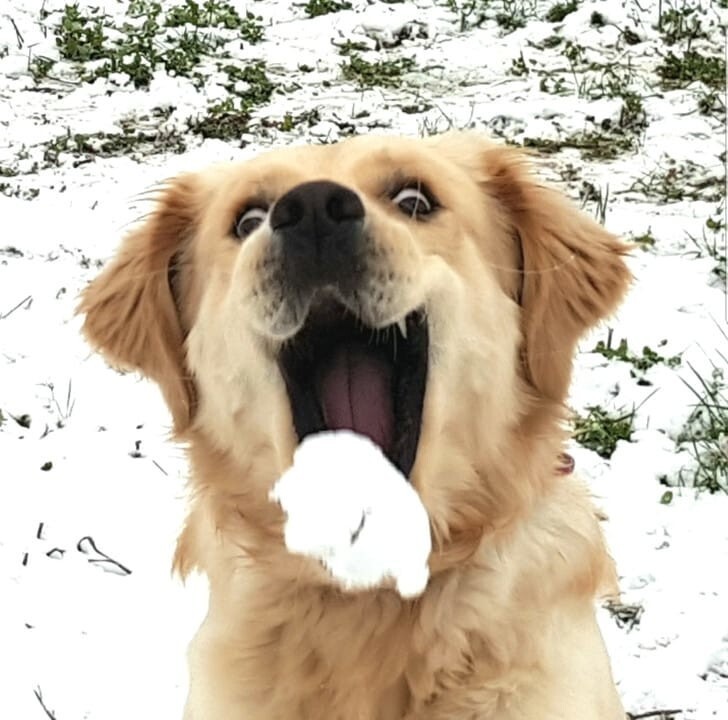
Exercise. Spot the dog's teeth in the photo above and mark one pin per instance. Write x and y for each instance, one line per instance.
(402, 325)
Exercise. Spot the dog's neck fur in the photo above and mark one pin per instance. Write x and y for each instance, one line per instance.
(302, 640)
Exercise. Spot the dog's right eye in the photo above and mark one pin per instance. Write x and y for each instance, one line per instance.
(249, 220)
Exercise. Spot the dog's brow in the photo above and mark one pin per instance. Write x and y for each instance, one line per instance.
(398, 179)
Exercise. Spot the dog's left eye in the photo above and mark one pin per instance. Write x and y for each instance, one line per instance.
(413, 202)
(249, 220)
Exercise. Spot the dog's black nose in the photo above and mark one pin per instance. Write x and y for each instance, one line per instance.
(320, 227)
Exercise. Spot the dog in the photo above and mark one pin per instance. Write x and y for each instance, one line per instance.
(426, 293)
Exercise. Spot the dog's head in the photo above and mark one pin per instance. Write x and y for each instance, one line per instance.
(426, 293)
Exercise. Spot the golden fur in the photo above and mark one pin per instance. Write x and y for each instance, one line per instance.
(511, 275)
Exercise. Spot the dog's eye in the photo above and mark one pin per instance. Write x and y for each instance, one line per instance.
(249, 220)
(413, 202)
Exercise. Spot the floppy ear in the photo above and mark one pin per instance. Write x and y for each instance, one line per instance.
(131, 314)
(574, 273)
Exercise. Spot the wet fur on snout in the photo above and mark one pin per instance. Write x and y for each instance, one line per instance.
(510, 275)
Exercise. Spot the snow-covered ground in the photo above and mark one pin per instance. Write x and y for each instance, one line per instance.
(91, 493)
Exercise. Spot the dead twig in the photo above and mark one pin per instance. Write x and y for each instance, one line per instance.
(13, 309)
(39, 695)
(18, 35)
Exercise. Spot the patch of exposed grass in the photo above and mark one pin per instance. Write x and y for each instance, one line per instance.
(18, 192)
(315, 8)
(470, 13)
(509, 14)
(223, 121)
(216, 14)
(250, 83)
(682, 23)
(640, 363)
(556, 13)
(40, 66)
(290, 121)
(672, 182)
(593, 145)
(208, 14)
(712, 103)
(515, 13)
(705, 434)
(80, 37)
(595, 80)
(382, 73)
(148, 39)
(128, 142)
(632, 116)
(600, 430)
(712, 243)
(692, 66)
(518, 66)
(645, 240)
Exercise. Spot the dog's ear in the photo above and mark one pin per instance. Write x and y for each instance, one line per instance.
(132, 317)
(573, 273)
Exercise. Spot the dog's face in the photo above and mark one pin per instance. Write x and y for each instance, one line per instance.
(426, 293)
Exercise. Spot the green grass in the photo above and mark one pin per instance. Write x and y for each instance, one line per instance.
(600, 430)
(705, 435)
(595, 80)
(593, 145)
(674, 181)
(678, 71)
(647, 359)
(518, 66)
(40, 66)
(258, 86)
(315, 8)
(148, 38)
(556, 13)
(223, 121)
(209, 14)
(81, 37)
(101, 144)
(290, 121)
(712, 102)
(645, 240)
(683, 23)
(19, 193)
(470, 13)
(382, 73)
(712, 243)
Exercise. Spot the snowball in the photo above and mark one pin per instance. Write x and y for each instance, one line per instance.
(350, 508)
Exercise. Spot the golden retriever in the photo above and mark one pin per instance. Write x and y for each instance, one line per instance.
(427, 293)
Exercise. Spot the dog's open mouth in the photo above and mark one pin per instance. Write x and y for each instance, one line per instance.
(341, 374)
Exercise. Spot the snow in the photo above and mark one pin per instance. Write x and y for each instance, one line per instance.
(84, 451)
(347, 506)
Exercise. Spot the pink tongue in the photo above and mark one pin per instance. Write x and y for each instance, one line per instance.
(356, 394)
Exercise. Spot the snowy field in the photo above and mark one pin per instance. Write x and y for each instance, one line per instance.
(622, 103)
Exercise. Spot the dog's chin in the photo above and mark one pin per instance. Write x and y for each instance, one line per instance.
(342, 374)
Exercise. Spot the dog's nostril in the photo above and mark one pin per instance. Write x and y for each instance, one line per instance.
(344, 205)
(289, 210)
